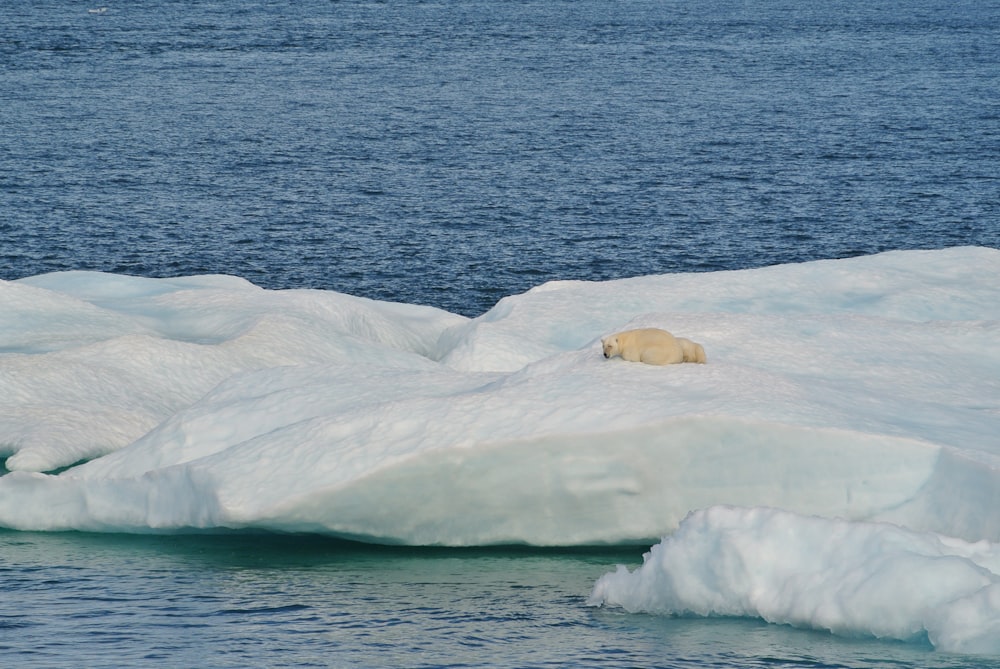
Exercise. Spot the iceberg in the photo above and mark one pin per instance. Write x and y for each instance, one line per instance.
(864, 389)
(856, 399)
(852, 578)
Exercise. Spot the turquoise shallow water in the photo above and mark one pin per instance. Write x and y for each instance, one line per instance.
(290, 601)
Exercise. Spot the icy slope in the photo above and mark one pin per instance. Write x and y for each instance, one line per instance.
(866, 388)
(849, 578)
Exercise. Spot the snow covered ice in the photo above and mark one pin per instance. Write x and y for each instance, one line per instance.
(853, 578)
(865, 390)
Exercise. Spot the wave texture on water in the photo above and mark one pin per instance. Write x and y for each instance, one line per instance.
(454, 153)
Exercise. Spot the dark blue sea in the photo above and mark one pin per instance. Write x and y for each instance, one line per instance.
(452, 153)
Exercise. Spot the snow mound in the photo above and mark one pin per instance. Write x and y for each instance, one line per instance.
(852, 578)
(867, 389)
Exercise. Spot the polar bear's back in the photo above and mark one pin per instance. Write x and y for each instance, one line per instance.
(651, 346)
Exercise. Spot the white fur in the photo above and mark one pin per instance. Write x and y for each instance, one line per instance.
(652, 346)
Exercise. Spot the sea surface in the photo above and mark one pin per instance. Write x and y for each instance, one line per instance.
(78, 600)
(451, 153)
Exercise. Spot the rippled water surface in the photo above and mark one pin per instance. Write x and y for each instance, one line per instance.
(264, 601)
(451, 153)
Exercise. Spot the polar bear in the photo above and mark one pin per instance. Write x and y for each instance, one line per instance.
(653, 347)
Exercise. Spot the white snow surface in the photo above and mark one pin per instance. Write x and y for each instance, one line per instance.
(864, 389)
(852, 578)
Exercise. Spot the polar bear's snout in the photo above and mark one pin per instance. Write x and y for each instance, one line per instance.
(609, 344)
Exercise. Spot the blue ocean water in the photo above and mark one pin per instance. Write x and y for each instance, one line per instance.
(451, 153)
(76, 600)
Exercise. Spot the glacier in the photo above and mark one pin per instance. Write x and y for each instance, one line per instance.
(861, 391)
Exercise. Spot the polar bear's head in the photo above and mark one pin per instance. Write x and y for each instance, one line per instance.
(610, 345)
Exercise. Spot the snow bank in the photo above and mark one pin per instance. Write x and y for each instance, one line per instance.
(851, 578)
(90, 362)
(865, 389)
